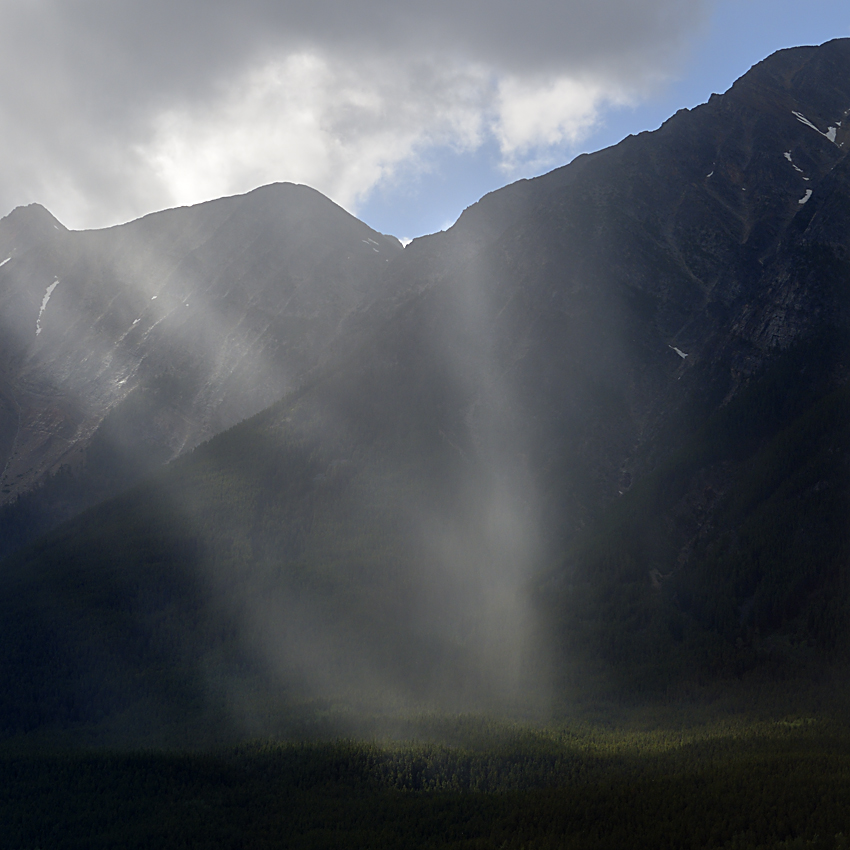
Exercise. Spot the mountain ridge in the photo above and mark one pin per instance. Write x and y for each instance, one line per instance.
(112, 323)
(591, 439)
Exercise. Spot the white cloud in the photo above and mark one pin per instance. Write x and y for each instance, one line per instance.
(344, 128)
(308, 119)
(114, 109)
(536, 115)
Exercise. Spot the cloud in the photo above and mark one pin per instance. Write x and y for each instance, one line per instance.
(336, 126)
(534, 116)
(118, 108)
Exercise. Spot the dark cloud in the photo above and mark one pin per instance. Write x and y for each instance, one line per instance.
(162, 44)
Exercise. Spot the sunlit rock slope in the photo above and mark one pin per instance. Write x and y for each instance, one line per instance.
(171, 327)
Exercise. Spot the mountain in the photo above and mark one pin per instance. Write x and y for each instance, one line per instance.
(261, 281)
(593, 439)
(123, 347)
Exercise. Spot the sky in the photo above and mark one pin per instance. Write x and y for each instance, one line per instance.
(403, 113)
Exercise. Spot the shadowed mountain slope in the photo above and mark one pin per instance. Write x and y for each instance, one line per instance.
(592, 439)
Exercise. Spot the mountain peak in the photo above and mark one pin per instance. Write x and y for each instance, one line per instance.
(25, 227)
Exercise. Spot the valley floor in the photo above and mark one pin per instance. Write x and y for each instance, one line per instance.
(465, 783)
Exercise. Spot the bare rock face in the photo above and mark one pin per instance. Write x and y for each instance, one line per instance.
(655, 276)
(175, 326)
(606, 282)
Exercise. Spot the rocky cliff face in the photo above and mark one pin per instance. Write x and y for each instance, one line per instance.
(643, 281)
(172, 327)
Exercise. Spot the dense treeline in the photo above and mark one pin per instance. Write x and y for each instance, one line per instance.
(763, 785)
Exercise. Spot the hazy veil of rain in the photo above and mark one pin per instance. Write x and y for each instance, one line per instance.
(192, 101)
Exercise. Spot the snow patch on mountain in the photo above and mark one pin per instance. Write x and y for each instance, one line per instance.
(795, 167)
(44, 304)
(830, 131)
